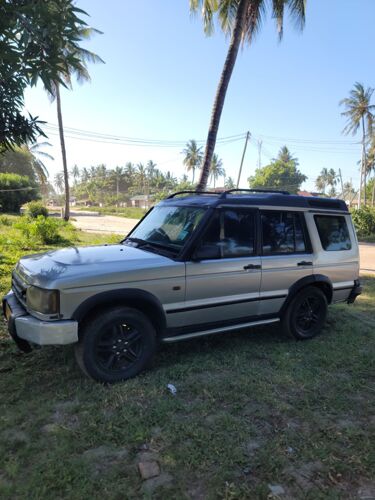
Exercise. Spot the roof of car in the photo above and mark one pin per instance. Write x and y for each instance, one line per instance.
(254, 197)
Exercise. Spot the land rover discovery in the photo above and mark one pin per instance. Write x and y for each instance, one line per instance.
(196, 264)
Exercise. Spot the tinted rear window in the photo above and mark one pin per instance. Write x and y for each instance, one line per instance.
(282, 232)
(333, 232)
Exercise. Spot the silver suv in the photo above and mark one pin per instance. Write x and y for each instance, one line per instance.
(196, 264)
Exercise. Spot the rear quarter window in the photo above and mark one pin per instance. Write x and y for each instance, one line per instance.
(333, 232)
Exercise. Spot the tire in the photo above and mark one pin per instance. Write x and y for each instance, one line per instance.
(116, 345)
(306, 314)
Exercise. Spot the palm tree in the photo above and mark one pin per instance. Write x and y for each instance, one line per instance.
(141, 175)
(217, 169)
(75, 173)
(76, 65)
(326, 178)
(119, 172)
(36, 155)
(286, 156)
(193, 157)
(241, 19)
(229, 183)
(359, 113)
(59, 181)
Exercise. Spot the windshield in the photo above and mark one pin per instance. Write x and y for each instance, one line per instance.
(168, 227)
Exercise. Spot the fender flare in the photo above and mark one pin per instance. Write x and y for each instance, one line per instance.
(312, 279)
(131, 297)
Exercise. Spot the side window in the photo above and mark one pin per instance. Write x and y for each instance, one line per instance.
(231, 233)
(282, 233)
(333, 232)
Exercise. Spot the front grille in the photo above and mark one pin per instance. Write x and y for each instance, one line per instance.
(19, 289)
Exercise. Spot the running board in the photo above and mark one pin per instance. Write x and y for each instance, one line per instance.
(219, 330)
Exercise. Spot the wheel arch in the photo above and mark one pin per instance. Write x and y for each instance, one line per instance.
(318, 280)
(131, 297)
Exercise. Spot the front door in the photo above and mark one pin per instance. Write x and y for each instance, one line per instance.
(223, 279)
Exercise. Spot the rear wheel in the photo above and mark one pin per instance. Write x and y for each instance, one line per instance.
(116, 345)
(306, 314)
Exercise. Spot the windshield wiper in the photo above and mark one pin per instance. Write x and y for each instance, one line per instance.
(151, 245)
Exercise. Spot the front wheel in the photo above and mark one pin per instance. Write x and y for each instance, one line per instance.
(306, 314)
(116, 344)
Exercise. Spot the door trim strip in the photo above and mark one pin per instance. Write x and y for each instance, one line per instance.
(226, 303)
(219, 330)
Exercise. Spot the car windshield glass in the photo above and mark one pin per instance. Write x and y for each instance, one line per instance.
(168, 227)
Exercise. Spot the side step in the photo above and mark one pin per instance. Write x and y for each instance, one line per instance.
(224, 329)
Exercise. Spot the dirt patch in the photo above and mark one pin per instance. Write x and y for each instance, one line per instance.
(104, 457)
(306, 476)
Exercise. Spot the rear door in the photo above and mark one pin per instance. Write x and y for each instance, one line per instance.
(286, 256)
(223, 285)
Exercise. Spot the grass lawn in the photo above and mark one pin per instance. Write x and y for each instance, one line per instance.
(252, 409)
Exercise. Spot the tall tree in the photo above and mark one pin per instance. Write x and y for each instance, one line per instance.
(31, 34)
(278, 175)
(25, 160)
(59, 181)
(192, 157)
(79, 70)
(75, 173)
(359, 114)
(217, 169)
(325, 179)
(286, 156)
(241, 19)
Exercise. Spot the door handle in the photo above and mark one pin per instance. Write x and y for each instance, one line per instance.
(304, 263)
(252, 266)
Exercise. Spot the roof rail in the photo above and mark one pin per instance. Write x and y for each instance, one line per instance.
(192, 192)
(273, 191)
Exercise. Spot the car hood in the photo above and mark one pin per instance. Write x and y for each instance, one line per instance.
(100, 264)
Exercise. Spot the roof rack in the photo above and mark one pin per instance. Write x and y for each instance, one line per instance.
(192, 192)
(273, 191)
(223, 194)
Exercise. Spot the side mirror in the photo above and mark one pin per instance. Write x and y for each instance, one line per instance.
(206, 252)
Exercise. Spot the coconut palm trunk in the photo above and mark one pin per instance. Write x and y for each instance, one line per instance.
(364, 160)
(221, 92)
(63, 153)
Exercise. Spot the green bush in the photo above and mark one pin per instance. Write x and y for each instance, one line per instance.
(5, 221)
(364, 221)
(35, 208)
(15, 190)
(42, 229)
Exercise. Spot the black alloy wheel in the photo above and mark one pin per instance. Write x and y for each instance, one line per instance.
(306, 314)
(116, 344)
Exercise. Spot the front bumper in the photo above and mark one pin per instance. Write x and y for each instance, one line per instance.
(355, 291)
(25, 329)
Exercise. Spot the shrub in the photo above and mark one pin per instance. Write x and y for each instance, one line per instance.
(15, 190)
(35, 208)
(42, 229)
(364, 221)
(5, 221)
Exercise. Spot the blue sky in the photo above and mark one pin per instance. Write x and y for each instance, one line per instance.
(161, 73)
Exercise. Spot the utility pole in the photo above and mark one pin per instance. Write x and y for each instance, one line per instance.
(248, 135)
(260, 142)
(342, 184)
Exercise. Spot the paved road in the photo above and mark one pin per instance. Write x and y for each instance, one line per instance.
(367, 255)
(121, 225)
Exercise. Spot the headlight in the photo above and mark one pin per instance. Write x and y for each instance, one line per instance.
(43, 301)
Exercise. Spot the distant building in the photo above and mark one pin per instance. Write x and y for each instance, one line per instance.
(309, 193)
(141, 201)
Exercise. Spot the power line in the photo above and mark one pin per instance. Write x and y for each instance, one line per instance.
(81, 134)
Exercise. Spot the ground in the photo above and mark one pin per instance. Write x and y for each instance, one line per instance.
(255, 415)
